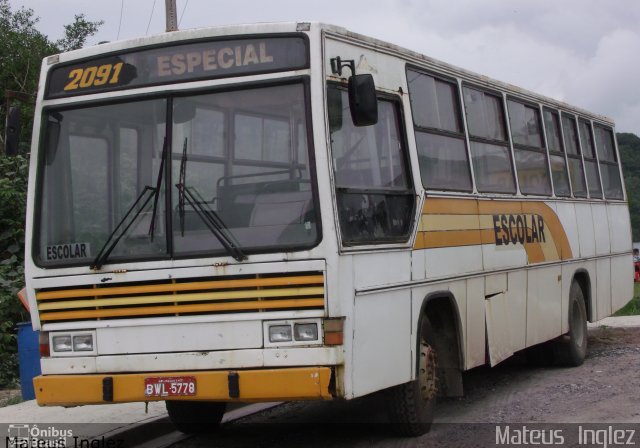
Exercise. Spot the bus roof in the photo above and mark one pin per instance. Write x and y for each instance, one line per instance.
(335, 32)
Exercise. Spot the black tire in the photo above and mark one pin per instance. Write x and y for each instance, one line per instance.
(195, 416)
(571, 349)
(411, 406)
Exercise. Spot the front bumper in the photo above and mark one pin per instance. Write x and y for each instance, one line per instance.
(299, 383)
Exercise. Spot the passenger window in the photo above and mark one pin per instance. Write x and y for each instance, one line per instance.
(559, 174)
(529, 151)
(576, 171)
(490, 152)
(442, 151)
(374, 193)
(608, 163)
(590, 162)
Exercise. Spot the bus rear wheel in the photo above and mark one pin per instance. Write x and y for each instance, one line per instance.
(571, 349)
(195, 416)
(411, 406)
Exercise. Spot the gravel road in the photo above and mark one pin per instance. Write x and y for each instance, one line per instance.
(605, 389)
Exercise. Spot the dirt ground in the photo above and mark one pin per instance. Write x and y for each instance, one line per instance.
(604, 390)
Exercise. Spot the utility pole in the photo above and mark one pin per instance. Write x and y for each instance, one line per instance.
(172, 16)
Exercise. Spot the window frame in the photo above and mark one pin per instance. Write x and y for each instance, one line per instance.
(581, 120)
(406, 240)
(170, 254)
(615, 163)
(507, 143)
(462, 122)
(543, 149)
(551, 152)
(578, 156)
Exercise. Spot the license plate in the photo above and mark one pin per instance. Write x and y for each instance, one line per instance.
(170, 386)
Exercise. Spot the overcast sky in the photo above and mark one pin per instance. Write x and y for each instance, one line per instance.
(584, 52)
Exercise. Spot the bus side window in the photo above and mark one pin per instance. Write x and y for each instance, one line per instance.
(556, 153)
(608, 163)
(529, 150)
(590, 162)
(576, 171)
(373, 188)
(440, 139)
(489, 142)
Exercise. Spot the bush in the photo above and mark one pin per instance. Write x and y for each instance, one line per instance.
(13, 195)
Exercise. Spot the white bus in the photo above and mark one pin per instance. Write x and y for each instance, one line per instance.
(296, 212)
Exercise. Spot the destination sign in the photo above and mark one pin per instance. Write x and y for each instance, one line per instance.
(179, 63)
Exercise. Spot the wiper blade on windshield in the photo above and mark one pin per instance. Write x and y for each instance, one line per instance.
(213, 222)
(182, 181)
(156, 196)
(112, 240)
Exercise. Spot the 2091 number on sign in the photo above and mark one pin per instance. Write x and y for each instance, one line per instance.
(93, 76)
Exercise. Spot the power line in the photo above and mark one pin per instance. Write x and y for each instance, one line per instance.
(120, 22)
(150, 17)
(183, 10)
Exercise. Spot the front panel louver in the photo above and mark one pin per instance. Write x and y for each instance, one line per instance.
(257, 293)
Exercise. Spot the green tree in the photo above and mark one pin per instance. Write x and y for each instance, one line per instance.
(76, 34)
(629, 146)
(22, 48)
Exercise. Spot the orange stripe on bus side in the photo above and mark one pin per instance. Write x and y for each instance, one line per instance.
(556, 247)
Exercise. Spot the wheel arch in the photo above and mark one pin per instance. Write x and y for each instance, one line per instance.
(581, 276)
(441, 308)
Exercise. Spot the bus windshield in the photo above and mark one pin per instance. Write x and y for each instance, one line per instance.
(240, 157)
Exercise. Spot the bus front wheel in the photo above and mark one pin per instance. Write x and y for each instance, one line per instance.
(195, 416)
(571, 349)
(411, 406)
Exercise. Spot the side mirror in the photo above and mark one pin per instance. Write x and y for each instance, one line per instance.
(363, 101)
(12, 132)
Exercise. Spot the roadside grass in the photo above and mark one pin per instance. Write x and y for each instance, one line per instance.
(11, 401)
(633, 307)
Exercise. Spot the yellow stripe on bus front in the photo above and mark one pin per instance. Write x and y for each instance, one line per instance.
(192, 297)
(180, 309)
(172, 287)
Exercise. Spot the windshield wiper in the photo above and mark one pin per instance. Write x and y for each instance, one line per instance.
(112, 240)
(213, 222)
(182, 181)
(211, 219)
(156, 196)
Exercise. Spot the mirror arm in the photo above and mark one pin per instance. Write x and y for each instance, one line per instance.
(337, 64)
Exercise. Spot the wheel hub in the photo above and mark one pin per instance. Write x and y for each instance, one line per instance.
(427, 373)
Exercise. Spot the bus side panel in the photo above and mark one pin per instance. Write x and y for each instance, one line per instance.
(603, 288)
(585, 230)
(517, 291)
(601, 229)
(621, 281)
(619, 227)
(382, 347)
(476, 329)
(566, 212)
(621, 266)
(543, 304)
(452, 261)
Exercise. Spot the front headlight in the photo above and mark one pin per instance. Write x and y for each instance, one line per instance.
(280, 333)
(305, 332)
(83, 343)
(62, 343)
